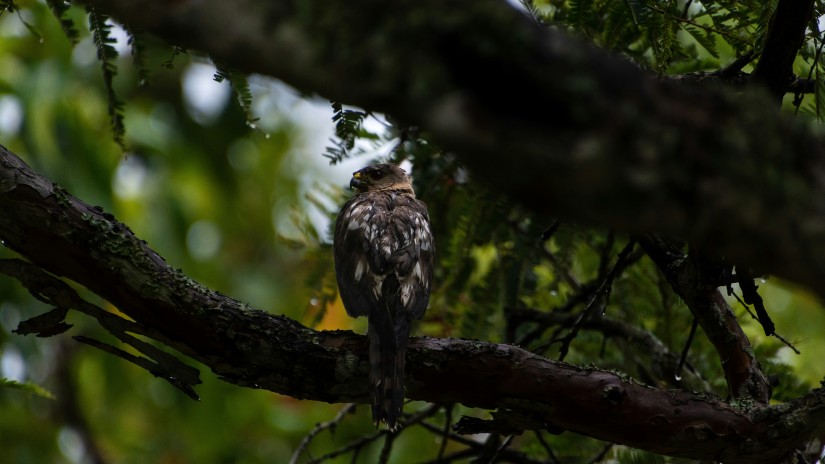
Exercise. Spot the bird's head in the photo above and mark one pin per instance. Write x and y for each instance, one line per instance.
(380, 177)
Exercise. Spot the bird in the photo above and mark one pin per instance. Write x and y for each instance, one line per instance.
(384, 253)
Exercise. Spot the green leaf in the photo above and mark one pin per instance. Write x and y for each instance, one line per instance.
(348, 129)
(703, 37)
(170, 62)
(101, 36)
(60, 9)
(637, 10)
(663, 39)
(240, 86)
(28, 387)
(138, 54)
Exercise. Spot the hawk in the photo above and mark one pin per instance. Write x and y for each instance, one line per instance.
(384, 252)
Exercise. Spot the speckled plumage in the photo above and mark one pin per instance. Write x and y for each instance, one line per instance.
(384, 253)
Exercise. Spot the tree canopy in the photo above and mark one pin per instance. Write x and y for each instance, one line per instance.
(626, 197)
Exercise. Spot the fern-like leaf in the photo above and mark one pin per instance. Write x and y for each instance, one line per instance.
(170, 63)
(348, 128)
(663, 39)
(138, 54)
(101, 36)
(637, 10)
(7, 5)
(707, 41)
(579, 13)
(60, 9)
(621, 24)
(28, 387)
(531, 10)
(240, 86)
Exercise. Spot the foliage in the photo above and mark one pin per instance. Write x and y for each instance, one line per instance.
(666, 36)
(240, 86)
(221, 200)
(348, 129)
(61, 10)
(100, 27)
(28, 387)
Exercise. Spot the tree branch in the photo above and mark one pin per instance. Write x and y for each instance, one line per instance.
(250, 348)
(662, 368)
(578, 126)
(786, 33)
(689, 278)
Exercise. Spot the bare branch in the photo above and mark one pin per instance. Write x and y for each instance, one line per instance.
(329, 425)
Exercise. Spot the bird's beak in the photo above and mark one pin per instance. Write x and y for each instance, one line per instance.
(356, 183)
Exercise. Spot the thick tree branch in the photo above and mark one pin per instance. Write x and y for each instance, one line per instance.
(689, 278)
(69, 238)
(785, 35)
(564, 128)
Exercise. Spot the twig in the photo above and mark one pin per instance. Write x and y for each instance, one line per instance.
(664, 362)
(548, 233)
(331, 424)
(579, 297)
(448, 419)
(551, 457)
(727, 35)
(695, 279)
(688, 342)
(475, 449)
(604, 256)
(583, 294)
(601, 455)
(353, 445)
(604, 289)
(501, 448)
(752, 297)
(359, 443)
(386, 450)
(451, 435)
(562, 270)
(748, 309)
(735, 66)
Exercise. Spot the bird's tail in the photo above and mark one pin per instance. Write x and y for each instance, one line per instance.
(388, 348)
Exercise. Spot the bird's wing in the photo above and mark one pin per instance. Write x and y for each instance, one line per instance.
(356, 231)
(412, 255)
(384, 254)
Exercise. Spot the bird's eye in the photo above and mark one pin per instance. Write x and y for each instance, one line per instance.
(376, 174)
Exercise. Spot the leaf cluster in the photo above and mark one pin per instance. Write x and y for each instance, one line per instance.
(671, 36)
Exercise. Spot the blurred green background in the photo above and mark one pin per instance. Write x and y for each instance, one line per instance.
(243, 207)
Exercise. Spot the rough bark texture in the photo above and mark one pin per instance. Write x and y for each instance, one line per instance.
(553, 122)
(69, 238)
(690, 279)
